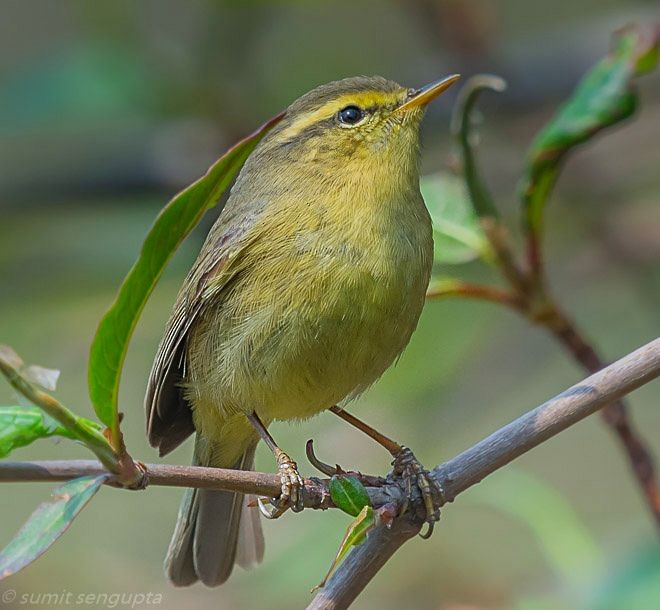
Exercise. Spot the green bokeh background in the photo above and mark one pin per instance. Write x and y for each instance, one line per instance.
(108, 108)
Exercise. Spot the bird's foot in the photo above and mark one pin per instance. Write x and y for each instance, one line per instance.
(292, 489)
(407, 467)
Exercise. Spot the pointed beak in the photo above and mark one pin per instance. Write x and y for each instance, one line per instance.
(420, 97)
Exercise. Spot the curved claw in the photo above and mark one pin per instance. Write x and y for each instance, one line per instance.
(269, 513)
(429, 530)
(326, 469)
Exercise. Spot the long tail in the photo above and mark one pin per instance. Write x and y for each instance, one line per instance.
(214, 530)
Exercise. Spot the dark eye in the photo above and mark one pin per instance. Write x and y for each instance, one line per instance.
(350, 115)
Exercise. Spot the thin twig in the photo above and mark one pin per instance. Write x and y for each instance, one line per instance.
(362, 564)
(115, 458)
(469, 290)
(529, 296)
(487, 456)
(616, 415)
(316, 493)
(499, 239)
(461, 124)
(93, 439)
(455, 476)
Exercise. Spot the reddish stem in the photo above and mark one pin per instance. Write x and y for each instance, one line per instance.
(616, 415)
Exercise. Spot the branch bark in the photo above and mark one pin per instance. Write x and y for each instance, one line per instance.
(615, 415)
(495, 451)
(540, 310)
(362, 564)
(455, 476)
(316, 494)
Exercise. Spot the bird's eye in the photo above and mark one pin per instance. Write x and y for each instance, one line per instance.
(350, 115)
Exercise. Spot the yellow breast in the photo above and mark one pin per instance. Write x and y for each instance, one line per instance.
(327, 298)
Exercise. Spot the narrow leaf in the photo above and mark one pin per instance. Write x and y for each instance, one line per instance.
(355, 534)
(462, 129)
(20, 426)
(457, 234)
(174, 222)
(48, 523)
(604, 97)
(349, 494)
(84, 430)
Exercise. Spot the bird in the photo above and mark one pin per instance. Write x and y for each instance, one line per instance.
(308, 287)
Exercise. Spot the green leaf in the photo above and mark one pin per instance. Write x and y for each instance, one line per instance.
(356, 534)
(461, 128)
(604, 97)
(349, 494)
(174, 222)
(48, 523)
(87, 432)
(457, 234)
(20, 426)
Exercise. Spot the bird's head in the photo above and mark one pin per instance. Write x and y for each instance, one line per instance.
(355, 133)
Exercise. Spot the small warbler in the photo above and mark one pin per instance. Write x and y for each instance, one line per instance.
(308, 287)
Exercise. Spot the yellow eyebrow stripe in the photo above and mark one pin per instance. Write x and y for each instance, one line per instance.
(363, 99)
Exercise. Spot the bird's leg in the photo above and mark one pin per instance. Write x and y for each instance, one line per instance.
(392, 446)
(292, 482)
(406, 466)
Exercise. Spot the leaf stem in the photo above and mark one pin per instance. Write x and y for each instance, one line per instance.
(616, 415)
(87, 435)
(461, 126)
(498, 236)
(459, 288)
(529, 294)
(455, 476)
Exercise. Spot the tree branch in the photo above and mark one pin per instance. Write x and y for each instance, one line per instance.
(316, 492)
(455, 476)
(533, 302)
(487, 456)
(362, 564)
(615, 415)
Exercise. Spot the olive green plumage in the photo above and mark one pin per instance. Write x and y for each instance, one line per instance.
(308, 287)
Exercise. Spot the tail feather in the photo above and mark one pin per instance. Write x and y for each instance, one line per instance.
(251, 545)
(214, 530)
(179, 566)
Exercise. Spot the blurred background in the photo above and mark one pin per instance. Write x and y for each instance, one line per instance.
(109, 108)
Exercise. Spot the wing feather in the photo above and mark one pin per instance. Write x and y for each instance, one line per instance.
(169, 417)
